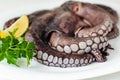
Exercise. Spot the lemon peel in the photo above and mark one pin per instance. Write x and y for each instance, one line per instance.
(21, 25)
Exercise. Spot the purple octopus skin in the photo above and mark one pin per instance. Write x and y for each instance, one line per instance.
(72, 35)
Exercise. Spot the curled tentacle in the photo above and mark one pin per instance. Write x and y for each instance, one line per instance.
(51, 57)
(115, 31)
(69, 45)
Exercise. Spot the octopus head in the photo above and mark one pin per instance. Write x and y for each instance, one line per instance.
(74, 6)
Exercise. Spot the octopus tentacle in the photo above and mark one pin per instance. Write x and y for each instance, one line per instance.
(64, 61)
(115, 31)
(71, 45)
(98, 55)
(100, 30)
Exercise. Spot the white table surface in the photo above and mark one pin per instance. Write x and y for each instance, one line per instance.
(18, 4)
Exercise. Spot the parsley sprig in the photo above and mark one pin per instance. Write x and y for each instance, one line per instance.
(12, 49)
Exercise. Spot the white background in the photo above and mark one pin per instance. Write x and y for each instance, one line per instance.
(6, 5)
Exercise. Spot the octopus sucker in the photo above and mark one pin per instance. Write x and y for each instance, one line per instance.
(72, 35)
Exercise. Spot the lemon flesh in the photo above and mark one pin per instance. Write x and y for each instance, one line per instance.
(20, 27)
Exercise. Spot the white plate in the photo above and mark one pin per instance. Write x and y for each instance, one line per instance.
(39, 71)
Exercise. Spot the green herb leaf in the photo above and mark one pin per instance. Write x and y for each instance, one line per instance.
(1, 56)
(12, 49)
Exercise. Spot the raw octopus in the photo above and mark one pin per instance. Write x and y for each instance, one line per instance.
(72, 35)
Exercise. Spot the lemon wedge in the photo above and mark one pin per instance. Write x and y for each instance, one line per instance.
(20, 26)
